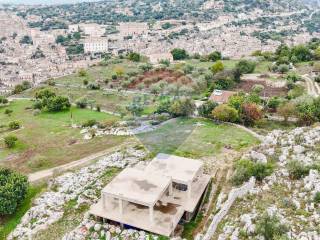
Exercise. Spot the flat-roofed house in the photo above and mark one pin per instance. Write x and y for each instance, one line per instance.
(221, 96)
(157, 198)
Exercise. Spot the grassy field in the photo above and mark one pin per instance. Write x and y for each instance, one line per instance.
(107, 100)
(195, 138)
(8, 223)
(99, 73)
(47, 140)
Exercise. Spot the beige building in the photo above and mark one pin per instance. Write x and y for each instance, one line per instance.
(169, 190)
(132, 28)
(157, 57)
(96, 45)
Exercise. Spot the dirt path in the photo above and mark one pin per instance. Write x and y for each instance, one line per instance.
(313, 88)
(45, 174)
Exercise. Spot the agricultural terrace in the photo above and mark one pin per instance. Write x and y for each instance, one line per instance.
(47, 139)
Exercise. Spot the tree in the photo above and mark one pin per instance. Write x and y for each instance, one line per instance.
(21, 87)
(287, 110)
(119, 71)
(225, 113)
(246, 66)
(217, 67)
(251, 113)
(214, 56)
(205, 110)
(135, 107)
(13, 190)
(10, 141)
(58, 103)
(179, 54)
(44, 94)
(135, 57)
(283, 68)
(3, 100)
(302, 53)
(182, 107)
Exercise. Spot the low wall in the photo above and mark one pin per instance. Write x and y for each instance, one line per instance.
(233, 195)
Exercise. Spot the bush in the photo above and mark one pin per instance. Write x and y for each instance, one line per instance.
(21, 87)
(179, 54)
(217, 67)
(297, 170)
(8, 111)
(225, 113)
(13, 189)
(82, 102)
(14, 125)
(251, 113)
(246, 66)
(270, 227)
(283, 68)
(205, 110)
(245, 169)
(10, 141)
(182, 107)
(90, 123)
(85, 82)
(135, 57)
(58, 104)
(93, 86)
(82, 73)
(214, 56)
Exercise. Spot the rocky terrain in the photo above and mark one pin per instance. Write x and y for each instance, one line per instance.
(288, 195)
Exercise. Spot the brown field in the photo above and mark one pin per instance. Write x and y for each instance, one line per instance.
(154, 76)
(269, 91)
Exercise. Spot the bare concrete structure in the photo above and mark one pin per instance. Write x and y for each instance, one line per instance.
(157, 198)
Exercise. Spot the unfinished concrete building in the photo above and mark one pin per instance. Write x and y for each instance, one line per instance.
(167, 192)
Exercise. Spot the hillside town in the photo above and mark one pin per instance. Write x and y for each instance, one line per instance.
(24, 47)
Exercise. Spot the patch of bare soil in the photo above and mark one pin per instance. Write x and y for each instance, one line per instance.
(155, 76)
(268, 91)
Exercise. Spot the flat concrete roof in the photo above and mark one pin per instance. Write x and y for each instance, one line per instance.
(138, 186)
(181, 170)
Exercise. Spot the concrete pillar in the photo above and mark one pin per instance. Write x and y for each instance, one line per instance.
(170, 189)
(120, 207)
(189, 189)
(151, 214)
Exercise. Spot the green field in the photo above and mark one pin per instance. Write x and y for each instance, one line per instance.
(195, 138)
(47, 140)
(99, 73)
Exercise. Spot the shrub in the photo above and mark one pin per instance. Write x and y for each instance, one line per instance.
(283, 68)
(225, 113)
(179, 54)
(245, 169)
(246, 66)
(85, 82)
(270, 227)
(89, 123)
(10, 141)
(182, 107)
(217, 67)
(274, 103)
(205, 110)
(8, 111)
(14, 125)
(93, 86)
(82, 102)
(13, 189)
(135, 57)
(82, 73)
(215, 56)
(21, 87)
(287, 110)
(251, 113)
(57, 104)
(297, 170)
